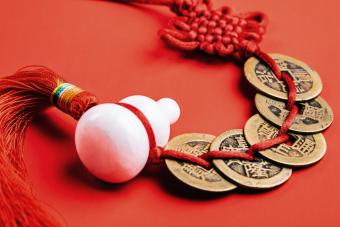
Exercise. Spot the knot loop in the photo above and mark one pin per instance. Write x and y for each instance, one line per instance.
(155, 155)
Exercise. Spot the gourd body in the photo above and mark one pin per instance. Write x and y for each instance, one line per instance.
(113, 143)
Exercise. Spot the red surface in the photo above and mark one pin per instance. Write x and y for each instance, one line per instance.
(79, 40)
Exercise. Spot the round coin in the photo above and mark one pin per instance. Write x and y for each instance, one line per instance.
(300, 150)
(194, 175)
(259, 173)
(314, 116)
(307, 81)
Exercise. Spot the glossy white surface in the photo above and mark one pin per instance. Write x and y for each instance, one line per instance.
(170, 109)
(113, 144)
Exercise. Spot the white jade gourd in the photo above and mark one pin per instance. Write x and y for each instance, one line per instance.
(113, 143)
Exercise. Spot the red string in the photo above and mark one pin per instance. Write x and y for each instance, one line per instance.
(145, 122)
(282, 135)
(157, 153)
(222, 32)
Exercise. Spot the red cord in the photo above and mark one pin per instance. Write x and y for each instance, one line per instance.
(222, 32)
(157, 153)
(282, 136)
(145, 122)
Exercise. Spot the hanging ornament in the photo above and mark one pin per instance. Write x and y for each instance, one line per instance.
(116, 140)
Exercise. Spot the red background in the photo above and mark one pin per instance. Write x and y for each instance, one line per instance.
(112, 49)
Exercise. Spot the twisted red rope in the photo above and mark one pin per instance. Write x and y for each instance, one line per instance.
(222, 32)
(282, 136)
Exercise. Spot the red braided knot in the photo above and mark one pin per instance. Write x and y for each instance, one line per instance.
(220, 31)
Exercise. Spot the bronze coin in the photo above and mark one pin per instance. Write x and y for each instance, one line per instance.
(314, 116)
(194, 175)
(301, 150)
(307, 81)
(259, 174)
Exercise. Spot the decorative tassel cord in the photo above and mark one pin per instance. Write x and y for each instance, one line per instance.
(22, 96)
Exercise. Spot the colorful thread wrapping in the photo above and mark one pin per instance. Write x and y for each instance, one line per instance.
(63, 94)
(72, 100)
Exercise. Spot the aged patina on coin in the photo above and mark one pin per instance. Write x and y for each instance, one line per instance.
(301, 150)
(307, 82)
(259, 173)
(314, 115)
(194, 175)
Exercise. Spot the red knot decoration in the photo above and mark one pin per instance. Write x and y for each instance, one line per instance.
(220, 31)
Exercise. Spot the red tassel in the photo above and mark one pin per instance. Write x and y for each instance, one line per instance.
(22, 96)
